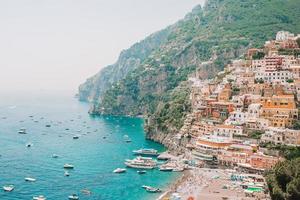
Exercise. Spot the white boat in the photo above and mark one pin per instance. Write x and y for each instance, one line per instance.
(67, 173)
(55, 156)
(22, 131)
(151, 189)
(127, 139)
(146, 152)
(73, 197)
(178, 169)
(8, 188)
(41, 197)
(141, 172)
(166, 168)
(68, 166)
(119, 170)
(28, 179)
(141, 163)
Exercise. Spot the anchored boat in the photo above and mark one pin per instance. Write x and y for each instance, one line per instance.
(146, 152)
(141, 163)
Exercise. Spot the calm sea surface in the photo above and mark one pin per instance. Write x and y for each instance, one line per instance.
(93, 155)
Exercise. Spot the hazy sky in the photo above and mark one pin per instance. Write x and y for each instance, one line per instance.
(57, 44)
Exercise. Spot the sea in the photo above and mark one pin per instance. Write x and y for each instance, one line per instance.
(99, 150)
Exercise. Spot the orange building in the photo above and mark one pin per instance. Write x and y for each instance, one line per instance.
(279, 109)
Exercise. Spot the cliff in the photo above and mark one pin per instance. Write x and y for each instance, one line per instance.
(150, 78)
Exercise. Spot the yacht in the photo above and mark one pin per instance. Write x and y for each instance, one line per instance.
(146, 152)
(41, 197)
(68, 166)
(141, 163)
(119, 170)
(8, 188)
(22, 131)
(73, 197)
(28, 179)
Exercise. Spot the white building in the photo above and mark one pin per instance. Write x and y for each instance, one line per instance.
(253, 111)
(236, 118)
(282, 136)
(274, 77)
(284, 35)
(228, 131)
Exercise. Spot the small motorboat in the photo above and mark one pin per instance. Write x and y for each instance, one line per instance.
(67, 173)
(29, 145)
(41, 197)
(141, 172)
(86, 192)
(28, 179)
(75, 137)
(178, 169)
(8, 188)
(73, 197)
(48, 125)
(22, 131)
(119, 170)
(151, 189)
(68, 166)
(55, 156)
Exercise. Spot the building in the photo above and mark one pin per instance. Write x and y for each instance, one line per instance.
(279, 107)
(281, 136)
(228, 131)
(284, 35)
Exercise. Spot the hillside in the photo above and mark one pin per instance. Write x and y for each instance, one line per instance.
(150, 78)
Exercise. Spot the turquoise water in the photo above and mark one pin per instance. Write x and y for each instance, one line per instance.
(93, 156)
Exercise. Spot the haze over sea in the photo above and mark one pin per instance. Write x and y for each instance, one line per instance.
(93, 156)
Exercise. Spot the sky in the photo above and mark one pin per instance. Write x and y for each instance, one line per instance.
(58, 44)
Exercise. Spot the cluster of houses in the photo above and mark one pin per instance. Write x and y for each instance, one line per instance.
(253, 101)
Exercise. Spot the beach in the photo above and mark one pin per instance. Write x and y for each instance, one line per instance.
(208, 184)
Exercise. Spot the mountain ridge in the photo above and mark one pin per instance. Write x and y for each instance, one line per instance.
(156, 86)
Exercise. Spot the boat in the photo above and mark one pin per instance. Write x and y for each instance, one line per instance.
(73, 197)
(48, 125)
(28, 179)
(141, 163)
(22, 131)
(86, 192)
(29, 145)
(68, 166)
(127, 139)
(119, 170)
(41, 197)
(178, 169)
(75, 137)
(151, 189)
(146, 152)
(55, 156)
(8, 188)
(166, 168)
(141, 172)
(67, 173)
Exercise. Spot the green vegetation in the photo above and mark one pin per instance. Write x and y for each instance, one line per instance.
(147, 76)
(255, 134)
(284, 180)
(258, 55)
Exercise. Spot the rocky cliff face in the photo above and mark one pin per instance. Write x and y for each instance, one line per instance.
(154, 83)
